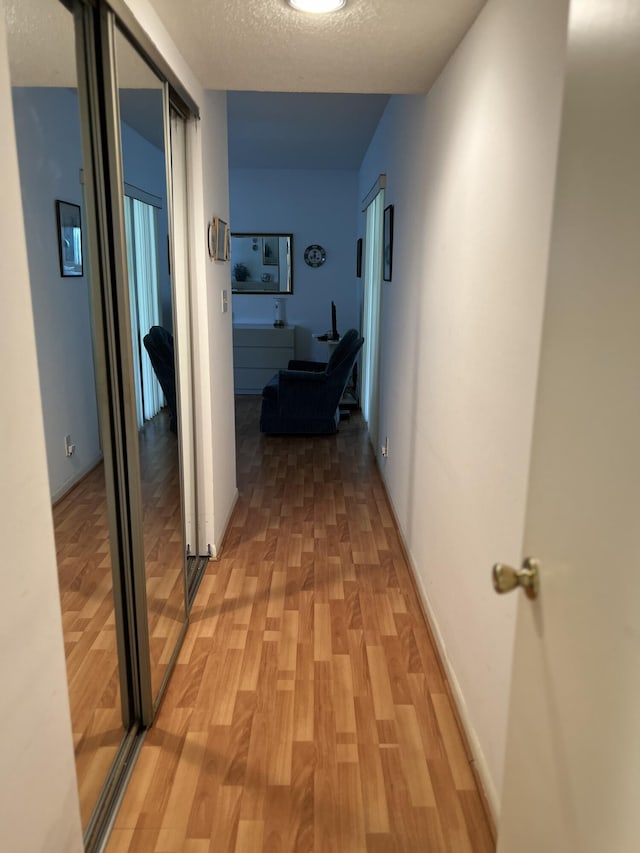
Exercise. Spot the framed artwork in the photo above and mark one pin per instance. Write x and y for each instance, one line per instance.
(218, 240)
(359, 258)
(69, 238)
(270, 251)
(387, 243)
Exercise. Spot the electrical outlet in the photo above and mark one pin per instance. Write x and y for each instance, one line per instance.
(69, 448)
(224, 298)
(384, 450)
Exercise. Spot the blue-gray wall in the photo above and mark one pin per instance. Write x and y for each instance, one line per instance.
(316, 206)
(47, 125)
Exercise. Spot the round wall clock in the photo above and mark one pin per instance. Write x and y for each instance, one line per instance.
(314, 255)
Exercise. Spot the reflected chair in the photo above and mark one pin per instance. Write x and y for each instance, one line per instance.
(305, 398)
(159, 344)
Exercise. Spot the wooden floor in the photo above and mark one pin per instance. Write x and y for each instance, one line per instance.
(86, 597)
(307, 711)
(164, 551)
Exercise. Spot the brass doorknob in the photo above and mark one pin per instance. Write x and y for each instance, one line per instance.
(506, 578)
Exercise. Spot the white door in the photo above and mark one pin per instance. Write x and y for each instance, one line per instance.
(572, 773)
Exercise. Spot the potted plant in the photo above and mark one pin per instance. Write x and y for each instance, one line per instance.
(241, 272)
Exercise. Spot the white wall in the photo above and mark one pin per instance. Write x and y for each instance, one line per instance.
(316, 206)
(217, 418)
(470, 169)
(38, 798)
(48, 136)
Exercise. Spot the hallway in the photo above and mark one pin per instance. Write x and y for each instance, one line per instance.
(307, 710)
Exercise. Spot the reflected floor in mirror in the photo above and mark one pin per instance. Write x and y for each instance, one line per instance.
(86, 595)
(307, 710)
(86, 598)
(163, 541)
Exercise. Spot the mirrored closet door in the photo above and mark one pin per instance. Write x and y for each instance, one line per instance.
(144, 143)
(65, 295)
(98, 130)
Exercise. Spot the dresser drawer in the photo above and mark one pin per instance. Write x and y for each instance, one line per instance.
(262, 356)
(263, 336)
(259, 351)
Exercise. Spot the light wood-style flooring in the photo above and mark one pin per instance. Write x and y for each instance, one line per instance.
(307, 711)
(164, 550)
(86, 598)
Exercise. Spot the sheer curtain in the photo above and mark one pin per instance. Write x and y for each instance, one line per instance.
(371, 314)
(142, 262)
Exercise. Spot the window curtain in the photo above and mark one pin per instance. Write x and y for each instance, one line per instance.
(371, 314)
(142, 263)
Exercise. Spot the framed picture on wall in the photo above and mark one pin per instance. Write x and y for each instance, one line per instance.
(387, 244)
(218, 240)
(69, 238)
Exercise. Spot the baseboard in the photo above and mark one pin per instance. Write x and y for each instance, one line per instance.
(215, 549)
(475, 755)
(69, 486)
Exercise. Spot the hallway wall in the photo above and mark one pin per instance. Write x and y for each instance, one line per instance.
(470, 169)
(215, 376)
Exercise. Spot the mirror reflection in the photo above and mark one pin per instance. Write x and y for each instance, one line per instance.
(144, 161)
(261, 263)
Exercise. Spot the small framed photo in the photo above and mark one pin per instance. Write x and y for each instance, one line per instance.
(218, 240)
(69, 238)
(359, 258)
(387, 242)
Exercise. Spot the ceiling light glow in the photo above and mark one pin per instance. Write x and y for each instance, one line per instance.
(317, 7)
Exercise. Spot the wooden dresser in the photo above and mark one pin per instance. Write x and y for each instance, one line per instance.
(259, 351)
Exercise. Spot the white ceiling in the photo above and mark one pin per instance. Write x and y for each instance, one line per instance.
(266, 55)
(384, 46)
(260, 50)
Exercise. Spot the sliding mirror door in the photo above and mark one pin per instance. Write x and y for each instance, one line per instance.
(155, 341)
(111, 312)
(76, 409)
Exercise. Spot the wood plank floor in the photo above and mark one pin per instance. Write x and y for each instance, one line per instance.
(86, 599)
(307, 711)
(164, 550)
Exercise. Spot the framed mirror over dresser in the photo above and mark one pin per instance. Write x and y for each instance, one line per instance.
(261, 263)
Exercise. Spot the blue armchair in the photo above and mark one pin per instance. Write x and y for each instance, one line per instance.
(159, 345)
(305, 398)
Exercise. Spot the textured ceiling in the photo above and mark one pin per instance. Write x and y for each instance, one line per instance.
(266, 53)
(41, 43)
(384, 46)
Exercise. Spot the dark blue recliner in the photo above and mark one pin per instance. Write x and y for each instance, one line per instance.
(304, 399)
(159, 344)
